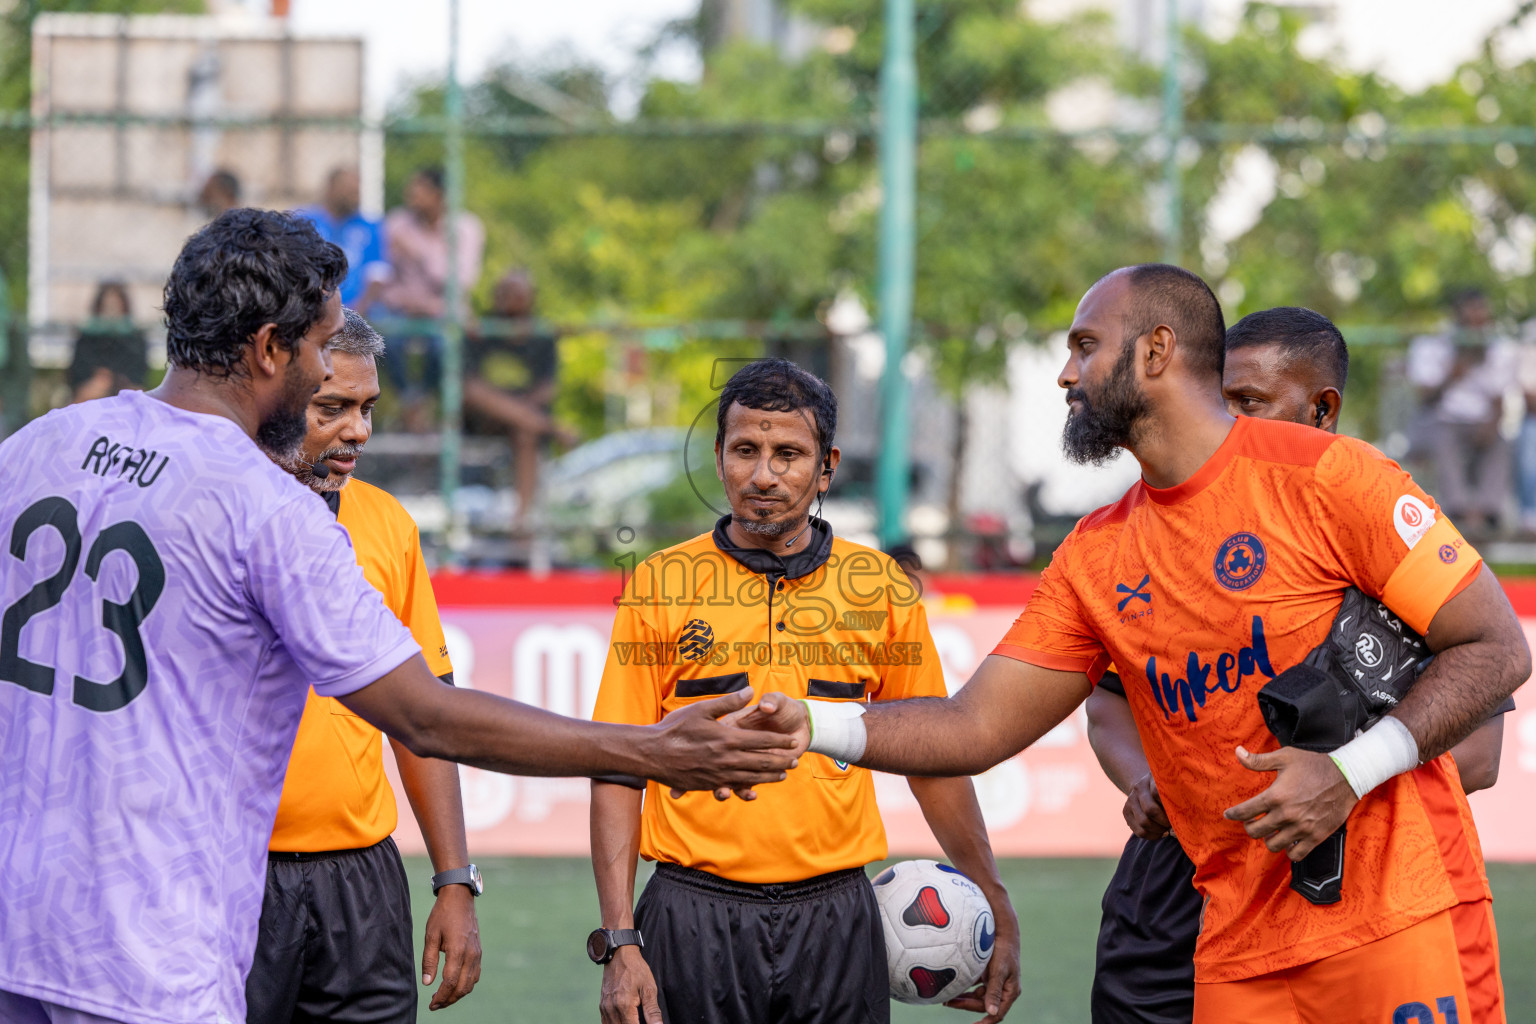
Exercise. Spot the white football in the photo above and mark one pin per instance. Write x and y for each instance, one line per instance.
(938, 930)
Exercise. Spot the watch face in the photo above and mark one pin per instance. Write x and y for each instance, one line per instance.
(597, 946)
(475, 880)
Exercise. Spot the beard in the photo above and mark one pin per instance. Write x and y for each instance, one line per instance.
(765, 528)
(282, 431)
(335, 481)
(1107, 421)
(305, 470)
(759, 527)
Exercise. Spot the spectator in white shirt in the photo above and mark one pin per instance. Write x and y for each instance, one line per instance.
(1525, 444)
(1461, 376)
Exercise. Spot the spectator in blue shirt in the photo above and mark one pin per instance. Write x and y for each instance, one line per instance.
(362, 239)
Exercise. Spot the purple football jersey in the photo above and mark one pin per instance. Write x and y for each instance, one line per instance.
(167, 596)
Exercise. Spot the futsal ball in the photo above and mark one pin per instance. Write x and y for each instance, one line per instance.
(938, 930)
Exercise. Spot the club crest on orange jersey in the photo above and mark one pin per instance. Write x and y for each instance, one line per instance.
(1240, 561)
(697, 641)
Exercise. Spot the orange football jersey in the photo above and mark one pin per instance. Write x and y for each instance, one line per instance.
(695, 623)
(336, 796)
(1202, 593)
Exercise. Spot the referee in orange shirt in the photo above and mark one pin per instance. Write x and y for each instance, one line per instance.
(335, 934)
(760, 912)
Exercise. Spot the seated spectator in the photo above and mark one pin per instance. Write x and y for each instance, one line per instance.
(1461, 376)
(338, 220)
(109, 350)
(221, 192)
(416, 239)
(510, 368)
(1525, 450)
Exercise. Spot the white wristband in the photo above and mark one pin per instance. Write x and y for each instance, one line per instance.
(1382, 751)
(837, 730)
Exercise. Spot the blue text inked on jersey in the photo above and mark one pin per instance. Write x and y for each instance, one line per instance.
(1187, 693)
(1240, 561)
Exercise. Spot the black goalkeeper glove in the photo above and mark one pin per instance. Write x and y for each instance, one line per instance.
(1359, 673)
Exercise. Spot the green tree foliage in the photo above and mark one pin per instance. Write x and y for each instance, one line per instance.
(768, 226)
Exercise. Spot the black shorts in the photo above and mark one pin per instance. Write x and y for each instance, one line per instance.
(1145, 968)
(335, 940)
(726, 952)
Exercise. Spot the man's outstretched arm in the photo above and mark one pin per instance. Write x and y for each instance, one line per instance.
(1006, 706)
(690, 750)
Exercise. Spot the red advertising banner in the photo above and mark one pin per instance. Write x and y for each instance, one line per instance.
(544, 642)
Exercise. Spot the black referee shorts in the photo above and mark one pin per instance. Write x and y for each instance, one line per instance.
(335, 940)
(726, 952)
(1145, 969)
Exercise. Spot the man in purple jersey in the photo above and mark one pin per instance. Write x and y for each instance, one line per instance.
(167, 596)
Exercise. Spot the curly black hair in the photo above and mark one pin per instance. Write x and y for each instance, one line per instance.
(778, 385)
(245, 269)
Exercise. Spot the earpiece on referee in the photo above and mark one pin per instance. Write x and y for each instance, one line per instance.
(1322, 410)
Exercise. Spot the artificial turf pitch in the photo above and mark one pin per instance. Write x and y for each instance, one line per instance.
(536, 913)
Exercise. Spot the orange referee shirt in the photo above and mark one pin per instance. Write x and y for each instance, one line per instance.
(336, 796)
(1201, 593)
(839, 622)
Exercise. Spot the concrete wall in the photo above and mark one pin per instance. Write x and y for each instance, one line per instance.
(117, 198)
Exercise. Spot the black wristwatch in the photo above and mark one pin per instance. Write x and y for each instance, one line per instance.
(603, 943)
(469, 876)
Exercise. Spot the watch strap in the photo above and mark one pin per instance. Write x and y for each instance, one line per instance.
(624, 937)
(458, 876)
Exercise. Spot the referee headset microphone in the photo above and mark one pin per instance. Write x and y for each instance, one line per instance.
(821, 499)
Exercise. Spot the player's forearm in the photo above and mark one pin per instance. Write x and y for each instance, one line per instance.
(1006, 706)
(433, 720)
(952, 812)
(934, 737)
(1115, 741)
(691, 749)
(500, 735)
(432, 789)
(615, 850)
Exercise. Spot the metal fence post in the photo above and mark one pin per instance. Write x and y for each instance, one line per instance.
(452, 412)
(898, 175)
(1173, 132)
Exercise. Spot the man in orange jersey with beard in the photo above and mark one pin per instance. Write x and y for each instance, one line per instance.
(1246, 534)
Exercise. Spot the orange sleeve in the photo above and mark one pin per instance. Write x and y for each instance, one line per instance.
(1386, 536)
(417, 608)
(630, 693)
(1052, 631)
(918, 673)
